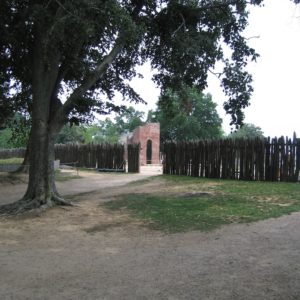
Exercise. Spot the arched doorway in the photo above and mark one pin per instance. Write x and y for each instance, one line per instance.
(149, 152)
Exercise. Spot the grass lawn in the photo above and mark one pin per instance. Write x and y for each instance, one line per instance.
(14, 160)
(185, 203)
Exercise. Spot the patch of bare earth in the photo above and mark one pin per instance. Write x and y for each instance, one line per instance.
(12, 178)
(87, 252)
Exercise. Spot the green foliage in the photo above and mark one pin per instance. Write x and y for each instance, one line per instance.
(6, 110)
(128, 120)
(200, 204)
(70, 134)
(247, 131)
(16, 132)
(109, 132)
(125, 121)
(187, 115)
(90, 49)
(5, 136)
(105, 131)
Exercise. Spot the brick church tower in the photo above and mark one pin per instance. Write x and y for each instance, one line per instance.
(148, 136)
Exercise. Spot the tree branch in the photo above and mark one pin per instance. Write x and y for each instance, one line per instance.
(65, 9)
(63, 69)
(87, 83)
(181, 25)
(217, 74)
(252, 37)
(95, 75)
(196, 12)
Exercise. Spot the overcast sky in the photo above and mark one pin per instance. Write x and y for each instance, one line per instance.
(275, 104)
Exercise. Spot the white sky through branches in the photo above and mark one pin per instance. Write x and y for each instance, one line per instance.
(275, 104)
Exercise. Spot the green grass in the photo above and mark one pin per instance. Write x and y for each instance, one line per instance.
(14, 160)
(202, 204)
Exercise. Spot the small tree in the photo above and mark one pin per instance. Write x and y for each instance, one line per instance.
(125, 121)
(187, 115)
(128, 120)
(247, 131)
(70, 134)
(15, 132)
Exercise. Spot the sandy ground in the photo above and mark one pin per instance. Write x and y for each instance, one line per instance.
(88, 182)
(86, 252)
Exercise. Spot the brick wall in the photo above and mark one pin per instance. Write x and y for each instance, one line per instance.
(142, 135)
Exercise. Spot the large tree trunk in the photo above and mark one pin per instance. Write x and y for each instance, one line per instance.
(41, 191)
(24, 168)
(49, 67)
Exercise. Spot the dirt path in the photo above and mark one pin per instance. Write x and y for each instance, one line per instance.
(86, 252)
(88, 182)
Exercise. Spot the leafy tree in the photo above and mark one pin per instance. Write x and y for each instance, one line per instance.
(128, 120)
(80, 134)
(187, 115)
(87, 49)
(247, 131)
(70, 134)
(6, 112)
(105, 131)
(108, 132)
(125, 121)
(16, 132)
(5, 135)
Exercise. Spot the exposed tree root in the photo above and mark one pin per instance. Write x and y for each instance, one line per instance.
(60, 201)
(32, 205)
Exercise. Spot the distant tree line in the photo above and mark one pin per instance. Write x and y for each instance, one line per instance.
(183, 116)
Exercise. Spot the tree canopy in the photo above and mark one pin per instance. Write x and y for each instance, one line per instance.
(247, 131)
(15, 131)
(187, 115)
(103, 131)
(89, 49)
(61, 60)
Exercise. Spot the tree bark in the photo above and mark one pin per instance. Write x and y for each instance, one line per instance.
(48, 116)
(24, 168)
(41, 191)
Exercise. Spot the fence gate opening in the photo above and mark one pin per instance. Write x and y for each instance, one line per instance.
(149, 152)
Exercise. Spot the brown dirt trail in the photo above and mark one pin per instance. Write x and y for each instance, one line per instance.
(86, 252)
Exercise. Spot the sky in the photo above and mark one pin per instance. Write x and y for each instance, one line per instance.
(275, 102)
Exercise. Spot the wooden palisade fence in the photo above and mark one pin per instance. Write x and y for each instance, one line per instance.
(9, 153)
(275, 159)
(100, 156)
